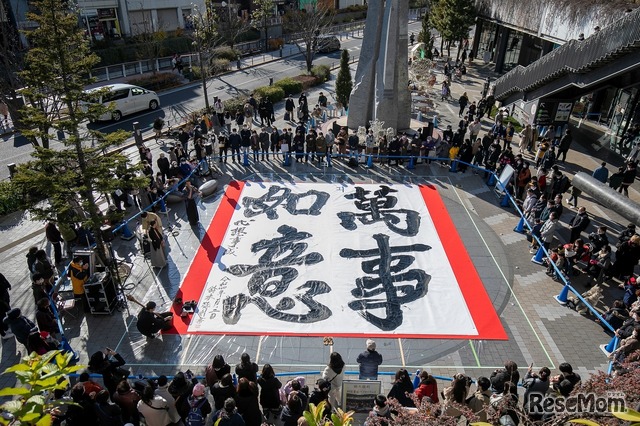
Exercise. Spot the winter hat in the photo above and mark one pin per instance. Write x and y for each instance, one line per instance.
(198, 390)
(371, 345)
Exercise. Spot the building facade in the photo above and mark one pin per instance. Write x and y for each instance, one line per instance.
(511, 33)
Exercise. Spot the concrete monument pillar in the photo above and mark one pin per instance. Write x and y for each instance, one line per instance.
(380, 89)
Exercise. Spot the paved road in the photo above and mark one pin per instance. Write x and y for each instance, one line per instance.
(179, 102)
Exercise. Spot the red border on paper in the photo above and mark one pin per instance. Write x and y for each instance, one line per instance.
(478, 302)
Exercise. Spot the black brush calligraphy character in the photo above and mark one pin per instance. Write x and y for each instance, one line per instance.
(273, 274)
(378, 208)
(381, 291)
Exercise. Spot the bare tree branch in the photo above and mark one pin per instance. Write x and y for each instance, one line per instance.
(308, 25)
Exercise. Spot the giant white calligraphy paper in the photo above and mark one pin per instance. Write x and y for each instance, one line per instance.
(341, 260)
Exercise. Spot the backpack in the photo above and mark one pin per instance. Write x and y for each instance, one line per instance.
(195, 417)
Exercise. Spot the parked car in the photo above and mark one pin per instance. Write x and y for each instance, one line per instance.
(328, 44)
(127, 98)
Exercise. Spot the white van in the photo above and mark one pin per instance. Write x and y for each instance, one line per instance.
(127, 99)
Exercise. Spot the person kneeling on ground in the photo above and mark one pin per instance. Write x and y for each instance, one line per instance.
(150, 322)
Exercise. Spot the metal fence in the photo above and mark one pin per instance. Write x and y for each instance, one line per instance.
(252, 49)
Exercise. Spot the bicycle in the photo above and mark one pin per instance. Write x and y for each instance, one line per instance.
(169, 134)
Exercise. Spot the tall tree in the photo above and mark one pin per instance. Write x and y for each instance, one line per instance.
(205, 38)
(453, 19)
(425, 36)
(308, 24)
(344, 84)
(263, 10)
(70, 179)
(11, 62)
(12, 53)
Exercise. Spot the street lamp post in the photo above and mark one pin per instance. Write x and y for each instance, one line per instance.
(228, 6)
(229, 35)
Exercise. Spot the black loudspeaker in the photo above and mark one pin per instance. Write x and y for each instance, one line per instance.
(336, 128)
(101, 294)
(208, 148)
(427, 130)
(353, 163)
(107, 235)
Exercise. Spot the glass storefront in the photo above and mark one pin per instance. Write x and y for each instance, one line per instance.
(512, 55)
(487, 44)
(102, 23)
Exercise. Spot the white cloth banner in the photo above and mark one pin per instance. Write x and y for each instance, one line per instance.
(332, 260)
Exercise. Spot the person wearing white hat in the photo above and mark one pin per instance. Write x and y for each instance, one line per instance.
(369, 362)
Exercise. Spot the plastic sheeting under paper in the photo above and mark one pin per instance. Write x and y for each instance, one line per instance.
(332, 230)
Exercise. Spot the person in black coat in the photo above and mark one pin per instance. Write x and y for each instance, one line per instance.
(183, 138)
(269, 391)
(108, 364)
(246, 368)
(149, 322)
(5, 305)
(247, 402)
(501, 376)
(627, 258)
(5, 286)
(321, 393)
(222, 390)
(402, 386)
(216, 370)
(82, 413)
(106, 412)
(164, 165)
(45, 319)
(292, 411)
(289, 106)
(19, 325)
(578, 224)
(55, 238)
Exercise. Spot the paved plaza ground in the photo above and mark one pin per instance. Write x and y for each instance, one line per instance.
(540, 331)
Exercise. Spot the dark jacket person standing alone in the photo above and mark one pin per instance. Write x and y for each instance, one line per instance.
(369, 361)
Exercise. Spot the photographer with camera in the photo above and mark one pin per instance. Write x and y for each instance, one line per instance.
(108, 363)
(534, 383)
(501, 376)
(599, 239)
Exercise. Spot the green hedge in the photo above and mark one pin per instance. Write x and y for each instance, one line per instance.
(10, 198)
(321, 72)
(289, 86)
(233, 105)
(354, 8)
(158, 81)
(225, 52)
(218, 66)
(274, 93)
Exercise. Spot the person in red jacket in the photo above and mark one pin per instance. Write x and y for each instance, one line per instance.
(428, 387)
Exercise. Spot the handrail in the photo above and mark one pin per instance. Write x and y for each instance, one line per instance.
(573, 57)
